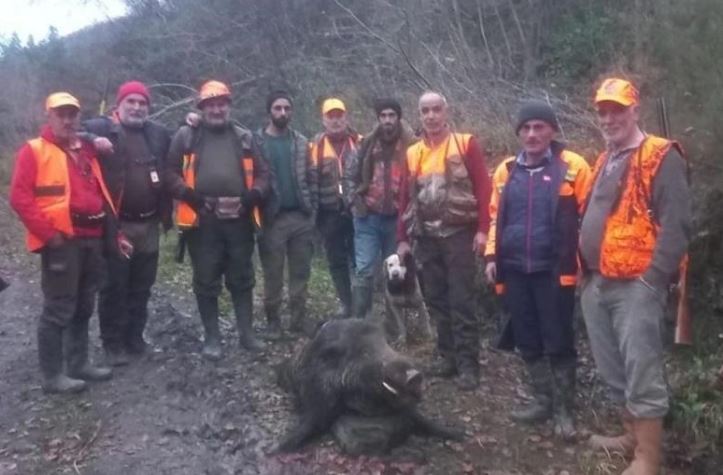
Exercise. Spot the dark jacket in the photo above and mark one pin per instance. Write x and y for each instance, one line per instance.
(531, 241)
(158, 139)
(305, 173)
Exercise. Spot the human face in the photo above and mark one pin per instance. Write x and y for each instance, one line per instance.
(216, 111)
(388, 121)
(281, 113)
(535, 136)
(433, 113)
(133, 110)
(63, 122)
(335, 122)
(619, 124)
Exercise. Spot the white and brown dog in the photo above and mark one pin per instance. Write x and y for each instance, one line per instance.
(402, 291)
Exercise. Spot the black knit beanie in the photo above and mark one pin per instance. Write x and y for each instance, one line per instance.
(273, 96)
(536, 110)
(387, 103)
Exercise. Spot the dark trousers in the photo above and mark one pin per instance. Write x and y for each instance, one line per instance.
(448, 272)
(541, 312)
(222, 249)
(123, 303)
(290, 235)
(70, 276)
(337, 231)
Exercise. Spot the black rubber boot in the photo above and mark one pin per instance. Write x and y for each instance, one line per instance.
(79, 367)
(116, 354)
(208, 309)
(342, 283)
(362, 298)
(540, 379)
(243, 307)
(563, 374)
(50, 354)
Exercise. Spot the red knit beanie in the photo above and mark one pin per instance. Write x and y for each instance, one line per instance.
(132, 87)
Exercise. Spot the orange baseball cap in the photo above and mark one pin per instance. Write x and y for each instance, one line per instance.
(617, 90)
(60, 99)
(332, 104)
(212, 89)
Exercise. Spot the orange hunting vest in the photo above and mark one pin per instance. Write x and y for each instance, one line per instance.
(440, 186)
(631, 230)
(52, 187)
(186, 217)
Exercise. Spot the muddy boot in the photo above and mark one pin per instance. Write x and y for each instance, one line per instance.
(50, 354)
(135, 344)
(76, 339)
(563, 374)
(243, 307)
(362, 298)
(624, 443)
(540, 408)
(273, 330)
(342, 285)
(208, 308)
(649, 439)
(116, 355)
(443, 367)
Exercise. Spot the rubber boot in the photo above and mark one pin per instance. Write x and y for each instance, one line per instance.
(298, 322)
(208, 308)
(79, 367)
(649, 440)
(134, 341)
(273, 330)
(624, 443)
(563, 374)
(540, 408)
(362, 297)
(342, 285)
(243, 307)
(50, 355)
(115, 354)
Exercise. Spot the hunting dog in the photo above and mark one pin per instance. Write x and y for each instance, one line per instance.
(402, 291)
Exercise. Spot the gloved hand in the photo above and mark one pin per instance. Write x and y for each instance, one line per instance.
(194, 199)
(251, 198)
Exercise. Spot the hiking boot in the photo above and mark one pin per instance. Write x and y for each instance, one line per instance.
(136, 346)
(624, 443)
(50, 356)
(443, 367)
(467, 381)
(563, 374)
(362, 297)
(208, 308)
(79, 367)
(648, 437)
(115, 355)
(540, 408)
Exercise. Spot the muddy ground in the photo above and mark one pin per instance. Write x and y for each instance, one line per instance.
(172, 412)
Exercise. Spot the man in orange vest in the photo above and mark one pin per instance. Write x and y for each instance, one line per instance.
(532, 257)
(220, 179)
(58, 191)
(445, 193)
(330, 151)
(634, 234)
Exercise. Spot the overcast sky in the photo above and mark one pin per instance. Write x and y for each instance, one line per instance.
(34, 17)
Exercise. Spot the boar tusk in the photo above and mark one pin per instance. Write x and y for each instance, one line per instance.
(389, 388)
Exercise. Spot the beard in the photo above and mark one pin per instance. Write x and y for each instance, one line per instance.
(280, 122)
(389, 134)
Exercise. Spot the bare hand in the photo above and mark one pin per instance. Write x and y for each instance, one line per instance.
(103, 145)
(125, 247)
(193, 119)
(491, 272)
(56, 241)
(403, 248)
(479, 242)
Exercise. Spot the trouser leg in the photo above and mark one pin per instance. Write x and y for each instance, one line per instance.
(144, 267)
(272, 252)
(300, 248)
(113, 303)
(337, 232)
(366, 248)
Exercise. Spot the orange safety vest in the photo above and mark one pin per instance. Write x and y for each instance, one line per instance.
(186, 217)
(441, 188)
(52, 188)
(631, 230)
(324, 156)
